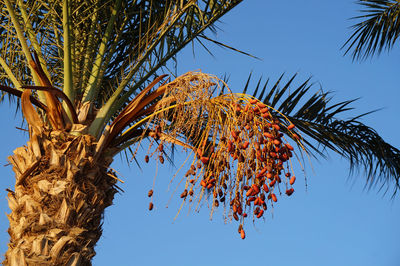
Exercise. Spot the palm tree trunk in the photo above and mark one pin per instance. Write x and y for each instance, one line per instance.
(60, 195)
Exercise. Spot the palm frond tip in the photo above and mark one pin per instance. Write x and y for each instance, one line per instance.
(378, 30)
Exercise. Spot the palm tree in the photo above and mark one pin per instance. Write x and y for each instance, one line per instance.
(110, 59)
(378, 30)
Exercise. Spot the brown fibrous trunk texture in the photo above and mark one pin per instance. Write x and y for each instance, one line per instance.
(62, 188)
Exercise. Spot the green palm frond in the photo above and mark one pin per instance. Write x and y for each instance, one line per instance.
(324, 128)
(378, 30)
(160, 42)
(100, 52)
(144, 34)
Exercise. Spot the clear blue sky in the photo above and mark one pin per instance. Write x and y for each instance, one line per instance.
(335, 221)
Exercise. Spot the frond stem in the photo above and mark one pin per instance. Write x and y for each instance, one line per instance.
(68, 73)
(9, 73)
(91, 89)
(32, 37)
(24, 44)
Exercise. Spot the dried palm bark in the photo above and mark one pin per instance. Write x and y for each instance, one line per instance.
(60, 195)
